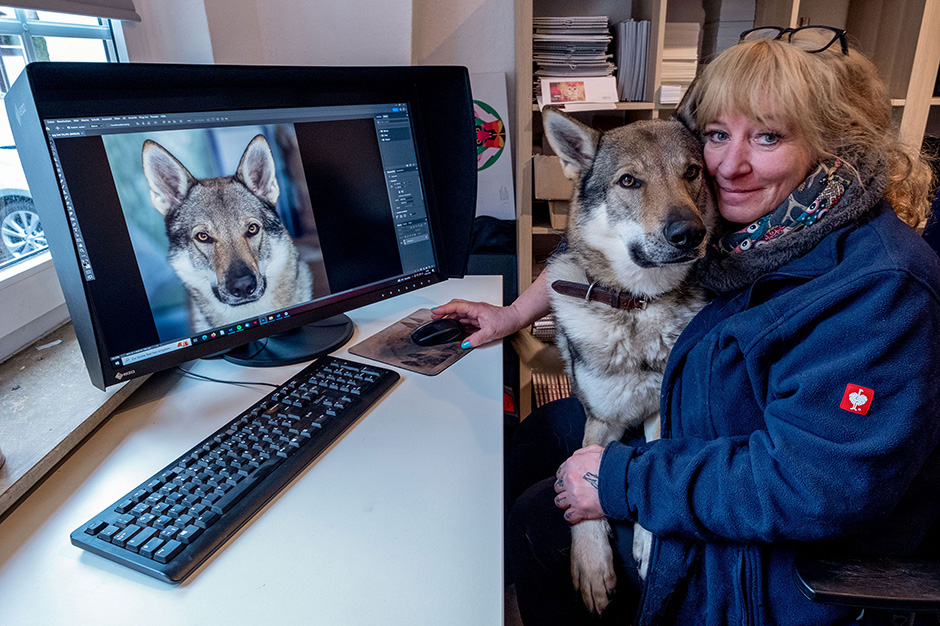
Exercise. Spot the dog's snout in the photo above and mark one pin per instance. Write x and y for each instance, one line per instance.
(241, 282)
(685, 231)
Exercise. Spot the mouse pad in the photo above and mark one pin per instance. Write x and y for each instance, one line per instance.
(393, 346)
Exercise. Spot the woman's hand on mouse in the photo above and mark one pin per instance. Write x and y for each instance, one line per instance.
(492, 322)
(496, 322)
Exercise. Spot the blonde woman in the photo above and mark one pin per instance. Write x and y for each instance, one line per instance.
(800, 408)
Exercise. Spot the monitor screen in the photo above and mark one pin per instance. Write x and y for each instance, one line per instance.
(196, 230)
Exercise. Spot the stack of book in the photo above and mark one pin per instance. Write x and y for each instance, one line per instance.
(549, 380)
(571, 47)
(725, 20)
(549, 386)
(632, 57)
(680, 59)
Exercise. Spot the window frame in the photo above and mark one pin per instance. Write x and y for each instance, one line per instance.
(31, 301)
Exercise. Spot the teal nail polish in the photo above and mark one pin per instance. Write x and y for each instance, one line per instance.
(465, 345)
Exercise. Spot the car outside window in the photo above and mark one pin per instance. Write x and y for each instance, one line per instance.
(26, 36)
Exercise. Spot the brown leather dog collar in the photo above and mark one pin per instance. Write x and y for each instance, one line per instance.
(604, 295)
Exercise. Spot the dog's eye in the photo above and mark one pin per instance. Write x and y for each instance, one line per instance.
(253, 229)
(202, 237)
(692, 172)
(629, 182)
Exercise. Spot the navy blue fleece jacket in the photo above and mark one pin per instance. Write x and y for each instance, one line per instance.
(765, 451)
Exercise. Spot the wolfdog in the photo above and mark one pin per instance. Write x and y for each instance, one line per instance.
(640, 216)
(227, 244)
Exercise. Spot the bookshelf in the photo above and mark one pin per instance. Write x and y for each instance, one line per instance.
(902, 37)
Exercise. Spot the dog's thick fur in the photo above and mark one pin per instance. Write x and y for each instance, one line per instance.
(227, 244)
(639, 218)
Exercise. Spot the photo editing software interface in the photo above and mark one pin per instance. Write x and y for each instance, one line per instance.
(194, 226)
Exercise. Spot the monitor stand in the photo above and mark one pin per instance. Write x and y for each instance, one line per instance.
(296, 346)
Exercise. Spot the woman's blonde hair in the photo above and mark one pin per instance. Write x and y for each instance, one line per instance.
(836, 102)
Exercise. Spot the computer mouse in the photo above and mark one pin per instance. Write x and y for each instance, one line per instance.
(436, 332)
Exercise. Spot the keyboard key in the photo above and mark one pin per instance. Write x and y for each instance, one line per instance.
(122, 537)
(189, 534)
(207, 519)
(232, 497)
(149, 548)
(169, 532)
(160, 509)
(108, 533)
(140, 509)
(95, 527)
(135, 542)
(124, 521)
(167, 551)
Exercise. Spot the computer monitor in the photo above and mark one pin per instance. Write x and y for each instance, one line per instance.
(198, 210)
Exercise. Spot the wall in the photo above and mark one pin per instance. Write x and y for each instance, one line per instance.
(305, 32)
(476, 33)
(276, 32)
(170, 31)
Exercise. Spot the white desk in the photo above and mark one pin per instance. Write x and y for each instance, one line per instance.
(399, 523)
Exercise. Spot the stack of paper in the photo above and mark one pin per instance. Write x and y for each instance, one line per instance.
(544, 329)
(632, 58)
(571, 47)
(680, 59)
(725, 20)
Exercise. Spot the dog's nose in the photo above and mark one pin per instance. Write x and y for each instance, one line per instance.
(242, 285)
(684, 234)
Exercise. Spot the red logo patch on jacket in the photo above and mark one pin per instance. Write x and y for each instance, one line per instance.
(857, 399)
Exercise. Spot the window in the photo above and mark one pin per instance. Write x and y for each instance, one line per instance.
(28, 35)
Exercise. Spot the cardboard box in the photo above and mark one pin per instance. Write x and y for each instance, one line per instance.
(552, 185)
(558, 214)
(550, 181)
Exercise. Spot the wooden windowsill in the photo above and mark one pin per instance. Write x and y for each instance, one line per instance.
(47, 407)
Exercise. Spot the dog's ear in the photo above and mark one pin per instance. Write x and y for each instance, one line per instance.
(257, 171)
(573, 142)
(169, 179)
(685, 111)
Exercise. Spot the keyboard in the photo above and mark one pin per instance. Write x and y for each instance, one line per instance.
(169, 524)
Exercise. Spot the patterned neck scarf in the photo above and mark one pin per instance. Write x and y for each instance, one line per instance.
(808, 204)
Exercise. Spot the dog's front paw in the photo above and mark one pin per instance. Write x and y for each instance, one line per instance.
(642, 548)
(592, 563)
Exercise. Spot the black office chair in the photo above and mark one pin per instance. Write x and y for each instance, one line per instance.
(892, 591)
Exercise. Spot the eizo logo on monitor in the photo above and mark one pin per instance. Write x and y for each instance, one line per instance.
(121, 375)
